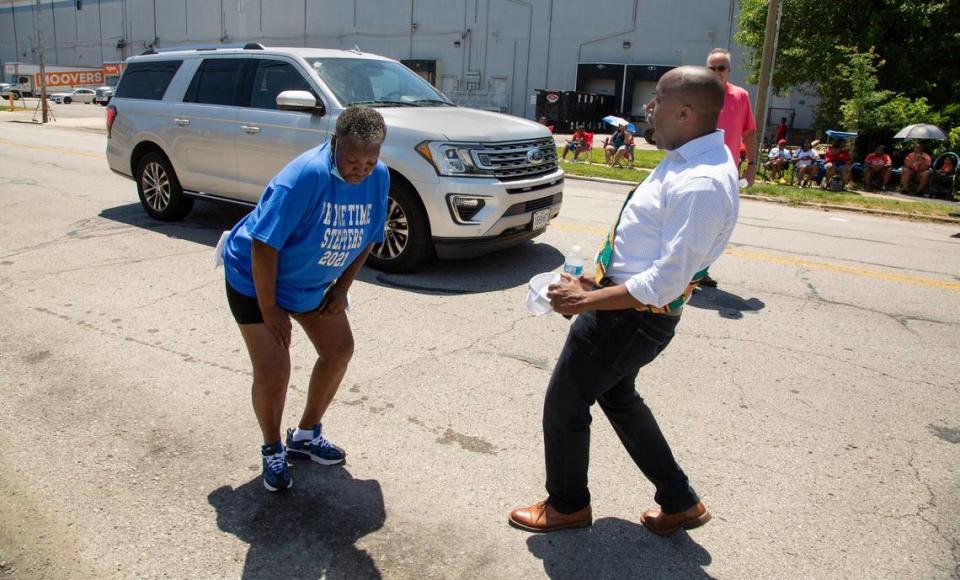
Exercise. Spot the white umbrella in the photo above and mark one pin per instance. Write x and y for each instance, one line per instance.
(921, 131)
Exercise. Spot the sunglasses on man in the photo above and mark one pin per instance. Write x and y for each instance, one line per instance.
(718, 68)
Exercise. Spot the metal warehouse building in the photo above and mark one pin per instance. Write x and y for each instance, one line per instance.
(491, 54)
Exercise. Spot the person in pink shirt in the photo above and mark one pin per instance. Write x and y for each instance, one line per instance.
(916, 164)
(877, 164)
(736, 118)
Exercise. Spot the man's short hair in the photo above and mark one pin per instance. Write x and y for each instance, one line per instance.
(362, 124)
(722, 51)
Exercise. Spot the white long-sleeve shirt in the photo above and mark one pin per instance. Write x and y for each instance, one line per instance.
(678, 221)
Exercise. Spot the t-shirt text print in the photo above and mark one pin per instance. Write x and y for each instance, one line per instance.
(345, 230)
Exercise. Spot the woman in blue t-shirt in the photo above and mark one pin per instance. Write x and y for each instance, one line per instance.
(296, 254)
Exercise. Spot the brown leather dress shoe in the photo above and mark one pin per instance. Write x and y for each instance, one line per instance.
(663, 524)
(541, 517)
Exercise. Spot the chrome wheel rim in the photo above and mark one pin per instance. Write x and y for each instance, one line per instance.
(156, 186)
(396, 233)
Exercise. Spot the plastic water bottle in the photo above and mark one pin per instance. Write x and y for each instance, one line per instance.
(573, 265)
(743, 183)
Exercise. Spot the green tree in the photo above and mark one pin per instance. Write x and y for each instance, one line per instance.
(871, 110)
(917, 40)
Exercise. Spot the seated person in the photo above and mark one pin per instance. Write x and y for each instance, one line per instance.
(946, 166)
(916, 164)
(576, 143)
(837, 159)
(543, 121)
(877, 164)
(805, 161)
(778, 160)
(616, 143)
(625, 152)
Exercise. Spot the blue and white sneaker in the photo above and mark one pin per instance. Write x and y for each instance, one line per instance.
(316, 449)
(276, 473)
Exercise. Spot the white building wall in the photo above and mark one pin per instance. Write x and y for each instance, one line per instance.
(490, 53)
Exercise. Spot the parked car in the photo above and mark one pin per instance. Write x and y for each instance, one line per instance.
(103, 95)
(219, 123)
(78, 95)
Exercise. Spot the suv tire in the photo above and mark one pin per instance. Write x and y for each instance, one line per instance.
(67, 100)
(160, 193)
(406, 245)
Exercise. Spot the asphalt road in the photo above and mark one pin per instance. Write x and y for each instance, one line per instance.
(814, 400)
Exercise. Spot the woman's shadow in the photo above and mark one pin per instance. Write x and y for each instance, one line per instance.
(615, 548)
(308, 531)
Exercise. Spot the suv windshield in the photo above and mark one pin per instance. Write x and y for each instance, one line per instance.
(376, 82)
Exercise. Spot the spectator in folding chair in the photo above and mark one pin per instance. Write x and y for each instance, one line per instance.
(877, 165)
(778, 161)
(916, 164)
(577, 143)
(838, 160)
(804, 164)
(625, 152)
(615, 143)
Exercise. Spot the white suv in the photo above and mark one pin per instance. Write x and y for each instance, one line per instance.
(220, 123)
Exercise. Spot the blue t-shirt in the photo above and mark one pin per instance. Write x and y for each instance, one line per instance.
(317, 222)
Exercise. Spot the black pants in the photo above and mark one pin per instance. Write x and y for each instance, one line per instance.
(599, 362)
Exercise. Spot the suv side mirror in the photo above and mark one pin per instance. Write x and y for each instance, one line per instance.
(300, 101)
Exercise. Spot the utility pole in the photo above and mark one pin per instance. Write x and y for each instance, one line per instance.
(43, 70)
(766, 64)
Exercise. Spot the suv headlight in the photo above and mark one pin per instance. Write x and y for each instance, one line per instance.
(451, 159)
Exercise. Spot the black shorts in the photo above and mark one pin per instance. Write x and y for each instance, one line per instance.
(245, 308)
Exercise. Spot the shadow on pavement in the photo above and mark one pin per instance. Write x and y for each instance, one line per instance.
(726, 304)
(204, 224)
(498, 271)
(308, 531)
(615, 548)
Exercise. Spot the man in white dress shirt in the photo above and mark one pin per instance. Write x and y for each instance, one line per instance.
(671, 228)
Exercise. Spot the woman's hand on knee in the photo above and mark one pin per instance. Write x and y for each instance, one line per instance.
(277, 321)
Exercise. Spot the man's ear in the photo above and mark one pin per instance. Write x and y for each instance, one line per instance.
(685, 114)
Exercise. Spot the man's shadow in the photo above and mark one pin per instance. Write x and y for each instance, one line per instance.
(308, 531)
(615, 548)
(726, 304)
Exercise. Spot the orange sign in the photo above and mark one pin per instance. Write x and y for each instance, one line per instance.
(111, 69)
(71, 79)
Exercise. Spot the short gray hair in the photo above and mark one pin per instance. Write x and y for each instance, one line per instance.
(723, 51)
(363, 124)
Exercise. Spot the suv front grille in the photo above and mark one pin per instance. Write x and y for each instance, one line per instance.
(533, 205)
(513, 160)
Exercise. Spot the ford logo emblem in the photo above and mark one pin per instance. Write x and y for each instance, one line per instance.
(535, 156)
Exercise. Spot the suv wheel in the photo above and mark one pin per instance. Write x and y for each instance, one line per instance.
(406, 244)
(67, 100)
(160, 192)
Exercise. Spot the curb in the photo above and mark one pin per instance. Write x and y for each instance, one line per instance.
(821, 206)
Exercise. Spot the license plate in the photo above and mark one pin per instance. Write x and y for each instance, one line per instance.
(541, 219)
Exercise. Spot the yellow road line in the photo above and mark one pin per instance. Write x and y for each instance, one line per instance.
(799, 262)
(53, 149)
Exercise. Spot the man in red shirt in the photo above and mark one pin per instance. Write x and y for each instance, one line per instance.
(736, 118)
(916, 164)
(782, 130)
(876, 164)
(837, 159)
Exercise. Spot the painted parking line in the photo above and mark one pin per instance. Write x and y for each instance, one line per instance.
(53, 149)
(798, 262)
